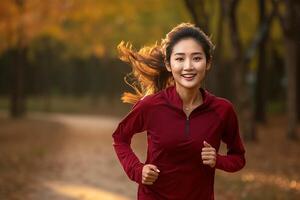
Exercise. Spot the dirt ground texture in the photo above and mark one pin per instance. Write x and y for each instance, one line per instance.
(70, 157)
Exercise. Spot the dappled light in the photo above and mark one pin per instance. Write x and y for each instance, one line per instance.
(273, 180)
(82, 192)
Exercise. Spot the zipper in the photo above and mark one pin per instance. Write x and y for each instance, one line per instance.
(187, 120)
(187, 125)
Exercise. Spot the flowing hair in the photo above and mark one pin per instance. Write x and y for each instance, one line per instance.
(149, 73)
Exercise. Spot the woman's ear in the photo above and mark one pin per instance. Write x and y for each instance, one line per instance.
(208, 66)
(168, 66)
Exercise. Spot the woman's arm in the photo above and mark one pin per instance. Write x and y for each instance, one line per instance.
(235, 158)
(134, 122)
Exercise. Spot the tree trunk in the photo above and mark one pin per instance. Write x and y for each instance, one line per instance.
(260, 97)
(216, 77)
(243, 97)
(18, 102)
(17, 107)
(291, 65)
(298, 78)
(291, 27)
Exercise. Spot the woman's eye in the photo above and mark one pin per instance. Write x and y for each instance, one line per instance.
(179, 59)
(197, 58)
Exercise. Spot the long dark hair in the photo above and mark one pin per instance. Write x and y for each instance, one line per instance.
(149, 73)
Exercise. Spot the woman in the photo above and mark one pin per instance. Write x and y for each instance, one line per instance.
(184, 122)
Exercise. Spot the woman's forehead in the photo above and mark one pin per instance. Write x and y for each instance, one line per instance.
(187, 46)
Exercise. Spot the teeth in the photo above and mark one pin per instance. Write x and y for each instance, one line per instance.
(188, 75)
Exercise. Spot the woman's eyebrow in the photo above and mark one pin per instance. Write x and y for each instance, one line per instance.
(180, 54)
(200, 53)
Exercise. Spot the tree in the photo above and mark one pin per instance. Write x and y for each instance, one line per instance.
(21, 24)
(19, 66)
(290, 23)
(260, 86)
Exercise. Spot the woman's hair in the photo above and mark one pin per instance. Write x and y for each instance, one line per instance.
(149, 73)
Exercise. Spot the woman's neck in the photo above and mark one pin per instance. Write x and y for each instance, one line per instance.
(189, 97)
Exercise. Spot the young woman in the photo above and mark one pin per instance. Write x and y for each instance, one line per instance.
(184, 122)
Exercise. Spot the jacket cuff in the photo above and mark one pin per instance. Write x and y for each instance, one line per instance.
(219, 161)
(138, 173)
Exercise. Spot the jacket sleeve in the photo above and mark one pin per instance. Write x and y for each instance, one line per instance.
(134, 122)
(235, 158)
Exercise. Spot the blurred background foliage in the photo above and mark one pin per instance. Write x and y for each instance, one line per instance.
(53, 50)
(71, 45)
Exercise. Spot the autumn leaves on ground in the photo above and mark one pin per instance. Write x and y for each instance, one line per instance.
(70, 157)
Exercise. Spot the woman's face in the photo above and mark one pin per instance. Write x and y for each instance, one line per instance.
(188, 63)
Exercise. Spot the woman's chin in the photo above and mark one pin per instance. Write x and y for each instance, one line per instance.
(190, 84)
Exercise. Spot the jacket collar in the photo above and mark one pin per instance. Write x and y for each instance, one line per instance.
(175, 100)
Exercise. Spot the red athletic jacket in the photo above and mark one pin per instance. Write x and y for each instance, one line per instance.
(175, 143)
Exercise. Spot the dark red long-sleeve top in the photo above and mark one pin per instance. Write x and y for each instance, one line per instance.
(175, 142)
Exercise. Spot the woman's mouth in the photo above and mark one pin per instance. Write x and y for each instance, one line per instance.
(188, 77)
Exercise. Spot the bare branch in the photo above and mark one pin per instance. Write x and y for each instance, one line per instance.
(234, 36)
(201, 18)
(259, 36)
(281, 18)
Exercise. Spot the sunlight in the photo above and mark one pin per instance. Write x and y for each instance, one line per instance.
(82, 192)
(277, 180)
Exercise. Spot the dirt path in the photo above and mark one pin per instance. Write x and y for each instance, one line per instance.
(61, 157)
(70, 157)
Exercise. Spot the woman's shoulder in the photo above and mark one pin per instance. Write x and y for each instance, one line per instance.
(224, 102)
(150, 100)
(222, 105)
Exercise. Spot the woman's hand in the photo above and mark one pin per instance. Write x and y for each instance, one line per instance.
(149, 174)
(208, 155)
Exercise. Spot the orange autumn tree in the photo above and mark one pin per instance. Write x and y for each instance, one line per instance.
(20, 22)
(88, 27)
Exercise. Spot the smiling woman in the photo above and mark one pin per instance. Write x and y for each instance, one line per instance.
(185, 123)
(188, 61)
(188, 66)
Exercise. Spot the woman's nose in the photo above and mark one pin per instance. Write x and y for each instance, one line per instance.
(188, 65)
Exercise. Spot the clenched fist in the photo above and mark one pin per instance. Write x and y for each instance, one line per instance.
(208, 155)
(149, 174)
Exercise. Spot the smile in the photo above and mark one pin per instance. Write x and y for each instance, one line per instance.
(188, 76)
